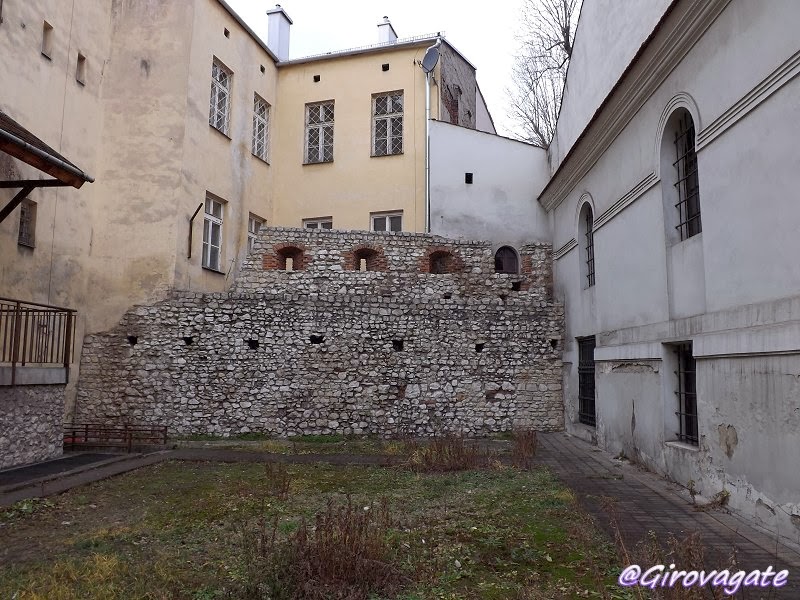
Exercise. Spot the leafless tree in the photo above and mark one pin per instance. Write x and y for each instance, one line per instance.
(545, 36)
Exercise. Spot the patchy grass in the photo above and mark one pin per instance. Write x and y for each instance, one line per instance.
(198, 531)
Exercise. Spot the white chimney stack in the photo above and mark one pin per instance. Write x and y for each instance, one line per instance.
(279, 25)
(386, 32)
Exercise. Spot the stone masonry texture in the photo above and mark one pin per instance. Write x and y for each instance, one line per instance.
(31, 423)
(428, 339)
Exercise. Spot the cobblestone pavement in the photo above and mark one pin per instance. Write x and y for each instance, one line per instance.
(646, 502)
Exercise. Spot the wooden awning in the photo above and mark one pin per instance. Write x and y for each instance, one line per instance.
(20, 143)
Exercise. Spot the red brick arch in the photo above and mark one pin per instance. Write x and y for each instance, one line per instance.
(373, 254)
(276, 261)
(440, 259)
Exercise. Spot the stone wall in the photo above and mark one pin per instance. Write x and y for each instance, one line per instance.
(31, 423)
(329, 348)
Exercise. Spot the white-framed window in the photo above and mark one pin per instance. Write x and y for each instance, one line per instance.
(319, 223)
(260, 127)
(254, 225)
(387, 124)
(319, 132)
(212, 234)
(387, 221)
(219, 116)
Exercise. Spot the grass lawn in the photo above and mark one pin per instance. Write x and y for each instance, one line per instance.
(196, 531)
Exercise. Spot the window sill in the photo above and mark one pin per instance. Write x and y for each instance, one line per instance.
(47, 56)
(321, 162)
(222, 133)
(213, 270)
(682, 446)
(386, 155)
(263, 160)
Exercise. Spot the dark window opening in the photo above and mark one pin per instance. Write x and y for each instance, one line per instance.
(687, 394)
(441, 262)
(263, 69)
(133, 340)
(467, 177)
(253, 344)
(188, 340)
(516, 286)
(227, 33)
(589, 247)
(385, 67)
(687, 184)
(479, 347)
(554, 344)
(290, 258)
(366, 259)
(586, 392)
(317, 78)
(26, 235)
(506, 261)
(447, 296)
(317, 339)
(397, 345)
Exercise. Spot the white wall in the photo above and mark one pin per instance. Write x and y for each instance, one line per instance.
(500, 205)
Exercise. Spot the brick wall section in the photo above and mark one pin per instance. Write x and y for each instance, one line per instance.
(31, 423)
(253, 364)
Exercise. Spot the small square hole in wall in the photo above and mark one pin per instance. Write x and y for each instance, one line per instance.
(397, 345)
(263, 69)
(516, 286)
(317, 78)
(227, 33)
(188, 340)
(133, 340)
(480, 346)
(317, 339)
(385, 67)
(253, 344)
(503, 298)
(80, 69)
(447, 296)
(554, 344)
(467, 177)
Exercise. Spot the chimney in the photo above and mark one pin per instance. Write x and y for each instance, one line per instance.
(279, 25)
(386, 33)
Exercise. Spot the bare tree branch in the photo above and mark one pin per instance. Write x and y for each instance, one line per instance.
(545, 37)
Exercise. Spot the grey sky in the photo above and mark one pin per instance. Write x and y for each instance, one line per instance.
(483, 32)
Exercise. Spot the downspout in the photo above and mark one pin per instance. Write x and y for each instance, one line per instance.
(428, 143)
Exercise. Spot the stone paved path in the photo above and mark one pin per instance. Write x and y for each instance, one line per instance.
(646, 502)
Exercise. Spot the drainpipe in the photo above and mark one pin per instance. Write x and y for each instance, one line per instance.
(428, 144)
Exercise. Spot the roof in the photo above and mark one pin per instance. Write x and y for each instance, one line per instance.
(20, 143)
(247, 28)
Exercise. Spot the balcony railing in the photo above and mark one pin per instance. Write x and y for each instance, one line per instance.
(35, 335)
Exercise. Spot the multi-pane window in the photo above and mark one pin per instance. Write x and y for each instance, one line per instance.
(212, 234)
(687, 394)
(254, 225)
(260, 127)
(219, 115)
(589, 233)
(27, 224)
(319, 132)
(586, 393)
(323, 223)
(387, 115)
(387, 222)
(687, 183)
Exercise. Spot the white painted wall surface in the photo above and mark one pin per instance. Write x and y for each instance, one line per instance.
(500, 205)
(483, 119)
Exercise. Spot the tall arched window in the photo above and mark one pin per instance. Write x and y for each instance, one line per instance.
(586, 227)
(679, 178)
(506, 261)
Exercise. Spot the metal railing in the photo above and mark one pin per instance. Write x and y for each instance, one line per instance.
(124, 437)
(34, 334)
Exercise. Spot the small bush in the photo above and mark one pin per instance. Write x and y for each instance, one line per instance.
(523, 448)
(277, 480)
(443, 454)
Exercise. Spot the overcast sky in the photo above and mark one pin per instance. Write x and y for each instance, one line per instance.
(485, 35)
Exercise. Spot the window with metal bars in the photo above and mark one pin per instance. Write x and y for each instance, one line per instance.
(212, 234)
(319, 132)
(260, 127)
(687, 394)
(219, 116)
(587, 230)
(586, 392)
(27, 224)
(687, 184)
(387, 130)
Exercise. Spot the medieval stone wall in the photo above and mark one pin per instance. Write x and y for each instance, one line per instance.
(31, 423)
(429, 339)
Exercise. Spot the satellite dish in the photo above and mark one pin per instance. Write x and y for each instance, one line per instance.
(430, 59)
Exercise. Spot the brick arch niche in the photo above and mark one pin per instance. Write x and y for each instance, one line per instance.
(440, 260)
(287, 257)
(366, 258)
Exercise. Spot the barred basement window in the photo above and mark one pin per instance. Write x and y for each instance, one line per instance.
(212, 234)
(687, 394)
(319, 132)
(219, 116)
(254, 225)
(260, 127)
(387, 130)
(27, 224)
(586, 392)
(687, 184)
